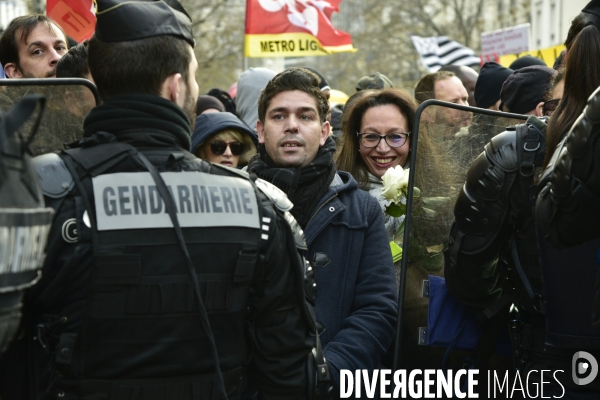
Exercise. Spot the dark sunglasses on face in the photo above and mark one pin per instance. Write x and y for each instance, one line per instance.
(219, 147)
(550, 106)
(392, 139)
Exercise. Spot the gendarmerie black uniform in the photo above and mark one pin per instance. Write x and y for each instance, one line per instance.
(569, 197)
(165, 275)
(493, 207)
(494, 227)
(567, 217)
(115, 313)
(494, 221)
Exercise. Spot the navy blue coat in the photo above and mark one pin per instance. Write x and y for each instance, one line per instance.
(357, 299)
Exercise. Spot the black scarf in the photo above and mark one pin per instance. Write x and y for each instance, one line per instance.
(304, 186)
(140, 119)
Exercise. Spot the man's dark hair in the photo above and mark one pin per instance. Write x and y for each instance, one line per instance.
(137, 66)
(224, 98)
(293, 79)
(9, 43)
(425, 88)
(559, 76)
(74, 63)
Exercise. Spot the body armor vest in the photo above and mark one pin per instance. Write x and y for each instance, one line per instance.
(138, 332)
(569, 285)
(500, 181)
(496, 200)
(569, 277)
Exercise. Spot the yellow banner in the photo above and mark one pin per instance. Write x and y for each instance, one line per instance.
(288, 45)
(548, 55)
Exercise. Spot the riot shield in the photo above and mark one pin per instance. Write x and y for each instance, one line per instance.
(446, 139)
(24, 223)
(68, 101)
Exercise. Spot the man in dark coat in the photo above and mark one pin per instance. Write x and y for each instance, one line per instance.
(347, 243)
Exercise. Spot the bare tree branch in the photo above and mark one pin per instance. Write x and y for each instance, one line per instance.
(208, 13)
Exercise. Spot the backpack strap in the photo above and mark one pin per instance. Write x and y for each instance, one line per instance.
(529, 142)
(536, 298)
(530, 155)
(98, 159)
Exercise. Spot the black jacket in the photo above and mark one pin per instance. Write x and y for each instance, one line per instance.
(494, 209)
(115, 312)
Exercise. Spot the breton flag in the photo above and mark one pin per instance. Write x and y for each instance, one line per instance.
(438, 51)
(75, 17)
(293, 28)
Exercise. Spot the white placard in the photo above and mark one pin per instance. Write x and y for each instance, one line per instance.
(511, 40)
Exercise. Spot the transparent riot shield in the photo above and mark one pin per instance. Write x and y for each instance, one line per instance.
(68, 101)
(445, 140)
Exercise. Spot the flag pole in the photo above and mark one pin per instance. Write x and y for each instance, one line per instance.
(246, 33)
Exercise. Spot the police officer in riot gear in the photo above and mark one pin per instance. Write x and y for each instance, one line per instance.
(492, 260)
(567, 215)
(494, 228)
(165, 274)
(570, 193)
(567, 212)
(559, 286)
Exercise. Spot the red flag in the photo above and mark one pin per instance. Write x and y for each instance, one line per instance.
(292, 28)
(75, 17)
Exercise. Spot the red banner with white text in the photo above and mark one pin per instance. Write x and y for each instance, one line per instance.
(75, 17)
(293, 28)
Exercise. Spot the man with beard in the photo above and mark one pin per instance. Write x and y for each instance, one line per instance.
(356, 302)
(164, 274)
(31, 46)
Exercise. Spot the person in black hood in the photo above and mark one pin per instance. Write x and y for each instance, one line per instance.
(224, 139)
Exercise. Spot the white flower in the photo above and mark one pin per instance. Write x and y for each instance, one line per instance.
(395, 184)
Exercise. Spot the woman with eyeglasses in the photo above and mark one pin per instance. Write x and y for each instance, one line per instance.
(376, 136)
(222, 138)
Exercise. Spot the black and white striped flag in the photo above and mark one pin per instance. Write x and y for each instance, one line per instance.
(438, 51)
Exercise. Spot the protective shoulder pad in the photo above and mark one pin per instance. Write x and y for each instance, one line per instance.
(55, 179)
(276, 195)
(296, 230)
(484, 180)
(502, 151)
(281, 201)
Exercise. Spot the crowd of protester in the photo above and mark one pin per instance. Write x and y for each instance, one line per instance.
(477, 189)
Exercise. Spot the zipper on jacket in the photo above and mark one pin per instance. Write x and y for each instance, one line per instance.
(319, 209)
